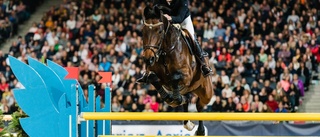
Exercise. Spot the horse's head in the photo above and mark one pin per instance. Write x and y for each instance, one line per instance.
(154, 31)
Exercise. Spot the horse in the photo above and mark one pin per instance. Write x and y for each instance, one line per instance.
(171, 66)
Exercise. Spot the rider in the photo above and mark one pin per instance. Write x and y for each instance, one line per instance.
(180, 14)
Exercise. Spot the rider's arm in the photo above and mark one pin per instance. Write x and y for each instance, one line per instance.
(183, 10)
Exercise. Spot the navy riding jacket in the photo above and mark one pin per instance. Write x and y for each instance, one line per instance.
(179, 9)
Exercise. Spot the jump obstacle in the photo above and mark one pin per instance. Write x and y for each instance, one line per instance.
(57, 107)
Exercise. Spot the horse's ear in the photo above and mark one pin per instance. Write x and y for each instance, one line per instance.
(157, 11)
(146, 13)
(165, 21)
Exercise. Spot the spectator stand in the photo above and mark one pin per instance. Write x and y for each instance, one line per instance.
(12, 14)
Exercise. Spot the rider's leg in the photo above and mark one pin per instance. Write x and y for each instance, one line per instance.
(187, 24)
(198, 51)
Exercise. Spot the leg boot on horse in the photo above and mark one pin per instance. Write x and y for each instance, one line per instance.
(143, 79)
(174, 99)
(201, 130)
(206, 71)
(187, 124)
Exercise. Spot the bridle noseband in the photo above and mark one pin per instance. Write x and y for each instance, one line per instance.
(158, 47)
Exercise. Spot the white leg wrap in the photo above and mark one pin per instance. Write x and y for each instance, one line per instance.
(189, 126)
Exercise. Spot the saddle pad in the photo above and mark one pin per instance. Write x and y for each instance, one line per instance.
(178, 26)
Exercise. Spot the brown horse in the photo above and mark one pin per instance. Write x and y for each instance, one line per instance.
(171, 67)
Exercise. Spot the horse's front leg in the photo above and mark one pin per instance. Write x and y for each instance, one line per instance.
(154, 80)
(178, 99)
(200, 131)
(174, 99)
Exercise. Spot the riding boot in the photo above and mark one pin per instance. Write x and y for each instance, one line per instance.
(143, 79)
(206, 71)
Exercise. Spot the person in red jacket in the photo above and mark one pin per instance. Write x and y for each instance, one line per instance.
(272, 103)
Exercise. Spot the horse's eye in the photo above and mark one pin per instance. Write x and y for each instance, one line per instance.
(160, 32)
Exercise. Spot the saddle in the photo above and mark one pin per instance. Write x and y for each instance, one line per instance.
(190, 42)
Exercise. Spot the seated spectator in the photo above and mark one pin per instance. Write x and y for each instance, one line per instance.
(236, 75)
(239, 108)
(287, 104)
(230, 106)
(304, 73)
(135, 108)
(274, 78)
(255, 89)
(257, 103)
(285, 54)
(127, 104)
(227, 91)
(224, 56)
(285, 83)
(238, 89)
(154, 104)
(115, 105)
(262, 75)
(272, 103)
(294, 96)
(247, 95)
(281, 109)
(271, 62)
(263, 56)
(147, 108)
(268, 87)
(225, 78)
(220, 31)
(140, 104)
(266, 108)
(299, 84)
(245, 104)
(217, 105)
(253, 109)
(104, 65)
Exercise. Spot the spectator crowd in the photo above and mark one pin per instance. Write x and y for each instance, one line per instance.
(13, 13)
(263, 52)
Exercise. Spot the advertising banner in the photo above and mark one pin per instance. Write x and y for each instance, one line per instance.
(219, 129)
(158, 130)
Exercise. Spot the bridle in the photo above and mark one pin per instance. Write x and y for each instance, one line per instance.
(156, 49)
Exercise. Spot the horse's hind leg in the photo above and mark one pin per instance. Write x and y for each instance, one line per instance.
(187, 124)
(200, 131)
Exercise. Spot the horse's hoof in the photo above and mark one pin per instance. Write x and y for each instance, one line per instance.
(199, 133)
(189, 125)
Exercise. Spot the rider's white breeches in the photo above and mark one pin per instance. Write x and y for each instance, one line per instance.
(187, 24)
